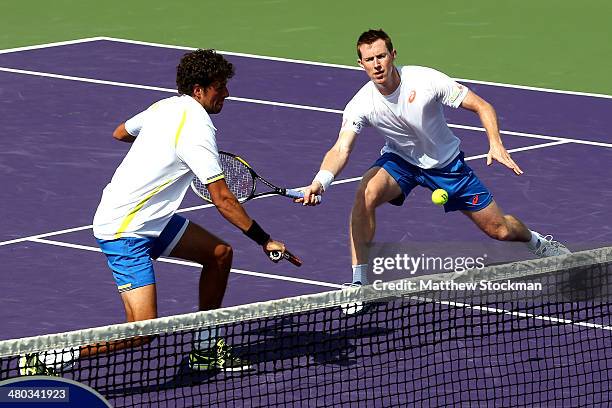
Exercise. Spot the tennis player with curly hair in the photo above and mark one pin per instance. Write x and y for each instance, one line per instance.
(135, 223)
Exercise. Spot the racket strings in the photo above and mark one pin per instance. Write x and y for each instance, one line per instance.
(237, 177)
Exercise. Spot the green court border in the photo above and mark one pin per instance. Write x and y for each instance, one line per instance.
(557, 44)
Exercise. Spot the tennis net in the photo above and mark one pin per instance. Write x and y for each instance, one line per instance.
(499, 346)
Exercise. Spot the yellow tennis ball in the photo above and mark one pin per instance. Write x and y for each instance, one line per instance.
(439, 197)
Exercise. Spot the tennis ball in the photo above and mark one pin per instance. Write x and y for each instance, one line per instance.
(439, 197)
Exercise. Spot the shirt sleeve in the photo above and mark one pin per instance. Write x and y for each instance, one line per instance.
(197, 148)
(447, 91)
(352, 118)
(134, 124)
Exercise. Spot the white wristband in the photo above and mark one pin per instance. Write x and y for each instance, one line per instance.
(325, 177)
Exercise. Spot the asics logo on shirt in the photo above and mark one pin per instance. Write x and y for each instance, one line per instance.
(411, 96)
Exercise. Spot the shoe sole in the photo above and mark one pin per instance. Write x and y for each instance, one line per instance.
(355, 309)
(241, 368)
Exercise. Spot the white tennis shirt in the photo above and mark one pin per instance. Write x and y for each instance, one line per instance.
(411, 119)
(175, 139)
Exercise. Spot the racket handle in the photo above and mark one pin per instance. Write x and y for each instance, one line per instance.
(292, 258)
(276, 256)
(293, 193)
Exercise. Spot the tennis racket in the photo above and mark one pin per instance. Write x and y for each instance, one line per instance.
(242, 181)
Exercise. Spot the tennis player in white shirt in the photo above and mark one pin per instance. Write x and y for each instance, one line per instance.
(135, 223)
(404, 104)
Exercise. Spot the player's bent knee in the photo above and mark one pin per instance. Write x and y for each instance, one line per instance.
(224, 254)
(371, 198)
(367, 199)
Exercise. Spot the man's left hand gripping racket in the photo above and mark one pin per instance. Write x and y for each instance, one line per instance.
(242, 181)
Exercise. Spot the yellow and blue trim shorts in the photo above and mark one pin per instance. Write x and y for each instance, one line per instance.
(131, 258)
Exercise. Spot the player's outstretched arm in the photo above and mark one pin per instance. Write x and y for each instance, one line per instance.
(334, 161)
(229, 207)
(488, 117)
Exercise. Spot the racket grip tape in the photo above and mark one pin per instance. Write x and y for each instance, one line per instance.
(293, 193)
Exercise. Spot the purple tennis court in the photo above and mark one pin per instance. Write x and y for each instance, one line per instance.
(61, 104)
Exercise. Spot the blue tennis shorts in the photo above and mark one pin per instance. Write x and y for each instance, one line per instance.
(465, 191)
(131, 258)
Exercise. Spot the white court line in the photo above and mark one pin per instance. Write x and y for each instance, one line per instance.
(535, 88)
(284, 105)
(87, 80)
(290, 60)
(44, 235)
(194, 264)
(260, 275)
(350, 67)
(535, 136)
(235, 54)
(52, 44)
(522, 149)
(516, 314)
(336, 286)
(86, 227)
(159, 89)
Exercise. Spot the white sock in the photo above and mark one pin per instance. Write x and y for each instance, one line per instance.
(205, 338)
(535, 239)
(360, 273)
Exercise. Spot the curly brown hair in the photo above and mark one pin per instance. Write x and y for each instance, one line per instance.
(370, 36)
(201, 67)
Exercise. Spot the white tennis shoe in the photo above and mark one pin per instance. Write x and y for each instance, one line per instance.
(546, 247)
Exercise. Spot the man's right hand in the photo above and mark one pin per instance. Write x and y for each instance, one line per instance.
(273, 245)
(310, 194)
(277, 251)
